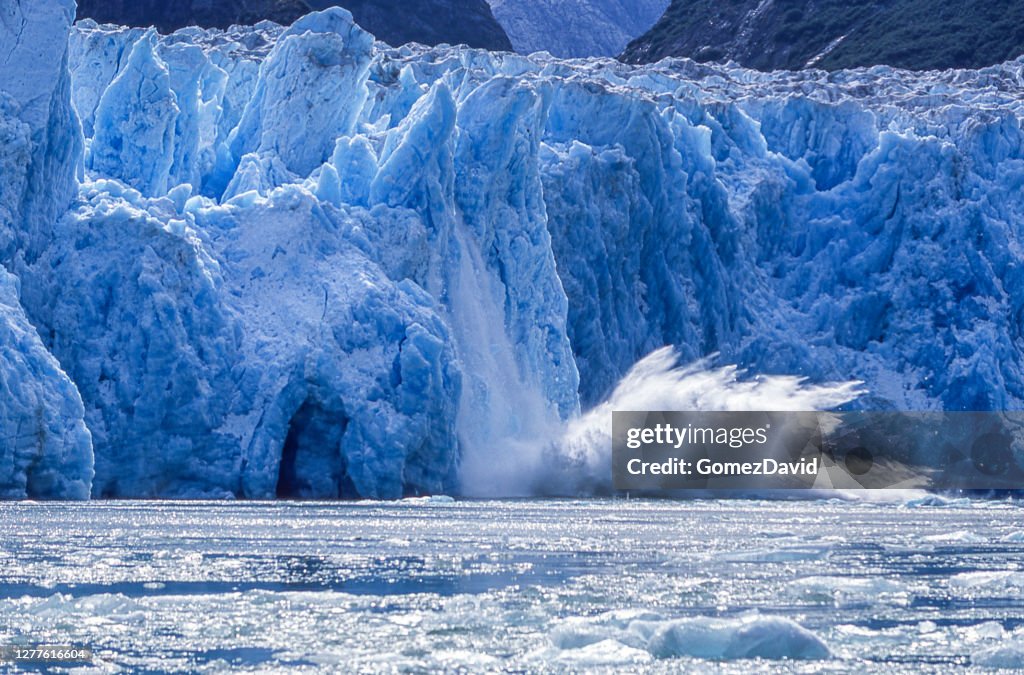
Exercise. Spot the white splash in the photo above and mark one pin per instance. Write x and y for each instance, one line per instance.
(583, 452)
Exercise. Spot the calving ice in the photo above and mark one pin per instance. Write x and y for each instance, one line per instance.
(298, 262)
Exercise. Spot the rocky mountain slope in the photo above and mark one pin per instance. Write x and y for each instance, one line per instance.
(836, 34)
(396, 22)
(571, 28)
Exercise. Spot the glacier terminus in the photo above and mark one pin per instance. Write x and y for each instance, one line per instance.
(295, 262)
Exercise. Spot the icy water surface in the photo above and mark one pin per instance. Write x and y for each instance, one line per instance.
(427, 585)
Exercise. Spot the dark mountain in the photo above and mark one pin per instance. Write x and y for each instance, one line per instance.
(393, 21)
(835, 34)
(576, 28)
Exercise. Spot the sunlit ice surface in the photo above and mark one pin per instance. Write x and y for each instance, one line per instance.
(925, 585)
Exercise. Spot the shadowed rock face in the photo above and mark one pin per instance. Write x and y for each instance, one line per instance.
(837, 34)
(170, 16)
(393, 21)
(576, 28)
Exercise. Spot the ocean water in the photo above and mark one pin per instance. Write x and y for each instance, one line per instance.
(523, 586)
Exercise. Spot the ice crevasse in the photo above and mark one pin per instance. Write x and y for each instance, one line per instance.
(295, 262)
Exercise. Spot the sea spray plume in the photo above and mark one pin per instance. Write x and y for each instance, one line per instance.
(579, 461)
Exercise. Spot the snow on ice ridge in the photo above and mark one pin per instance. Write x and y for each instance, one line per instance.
(261, 313)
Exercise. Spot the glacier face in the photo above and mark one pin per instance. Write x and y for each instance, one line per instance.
(303, 264)
(38, 128)
(45, 447)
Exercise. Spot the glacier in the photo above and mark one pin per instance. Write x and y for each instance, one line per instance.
(295, 262)
(46, 449)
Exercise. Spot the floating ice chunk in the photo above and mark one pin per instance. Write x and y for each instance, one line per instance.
(1004, 657)
(1006, 582)
(990, 630)
(958, 537)
(432, 500)
(786, 554)
(748, 637)
(753, 637)
(937, 501)
(578, 632)
(849, 591)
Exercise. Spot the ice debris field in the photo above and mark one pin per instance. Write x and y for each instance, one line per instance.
(295, 262)
(527, 586)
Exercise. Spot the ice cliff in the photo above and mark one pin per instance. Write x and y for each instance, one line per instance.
(45, 447)
(298, 263)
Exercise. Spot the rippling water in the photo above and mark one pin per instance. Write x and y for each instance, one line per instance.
(422, 585)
